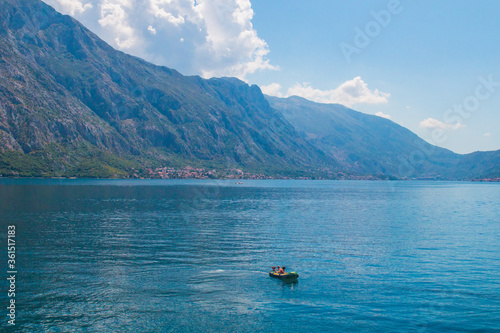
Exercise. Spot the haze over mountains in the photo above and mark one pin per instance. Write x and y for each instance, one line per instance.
(71, 105)
(367, 144)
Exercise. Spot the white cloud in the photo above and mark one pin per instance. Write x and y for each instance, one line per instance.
(488, 134)
(72, 6)
(431, 123)
(232, 46)
(383, 115)
(273, 89)
(351, 92)
(152, 30)
(158, 11)
(114, 16)
(207, 37)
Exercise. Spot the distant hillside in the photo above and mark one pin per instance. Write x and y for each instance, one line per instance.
(369, 144)
(480, 164)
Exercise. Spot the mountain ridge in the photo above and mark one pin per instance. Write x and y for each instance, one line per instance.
(386, 147)
(71, 105)
(138, 109)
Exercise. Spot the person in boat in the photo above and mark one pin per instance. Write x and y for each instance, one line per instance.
(281, 270)
(274, 269)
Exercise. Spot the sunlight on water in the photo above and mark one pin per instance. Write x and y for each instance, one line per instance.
(138, 256)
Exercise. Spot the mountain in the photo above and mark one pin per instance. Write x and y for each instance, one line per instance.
(71, 105)
(368, 144)
(70, 102)
(479, 165)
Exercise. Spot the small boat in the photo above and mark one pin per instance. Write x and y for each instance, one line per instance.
(285, 276)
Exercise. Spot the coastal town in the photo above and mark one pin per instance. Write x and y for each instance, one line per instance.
(190, 172)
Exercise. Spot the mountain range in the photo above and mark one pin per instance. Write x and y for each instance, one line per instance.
(367, 144)
(71, 105)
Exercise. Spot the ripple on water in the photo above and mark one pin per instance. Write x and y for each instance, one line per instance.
(372, 256)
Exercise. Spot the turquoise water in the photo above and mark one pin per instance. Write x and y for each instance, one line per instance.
(182, 256)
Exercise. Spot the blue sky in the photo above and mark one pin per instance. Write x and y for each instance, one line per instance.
(431, 66)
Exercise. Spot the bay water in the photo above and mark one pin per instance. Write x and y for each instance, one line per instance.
(194, 255)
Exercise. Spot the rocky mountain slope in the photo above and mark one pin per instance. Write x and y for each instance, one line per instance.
(66, 95)
(369, 144)
(71, 105)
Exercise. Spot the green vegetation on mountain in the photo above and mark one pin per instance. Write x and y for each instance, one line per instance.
(61, 87)
(72, 106)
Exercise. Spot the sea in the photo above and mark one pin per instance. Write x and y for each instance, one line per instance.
(195, 256)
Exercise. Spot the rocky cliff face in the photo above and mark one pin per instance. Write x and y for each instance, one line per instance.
(61, 85)
(34, 109)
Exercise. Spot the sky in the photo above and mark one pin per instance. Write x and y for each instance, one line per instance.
(430, 66)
